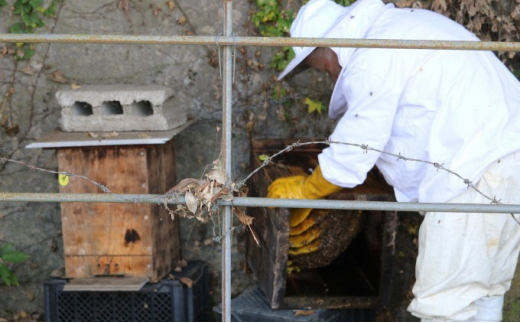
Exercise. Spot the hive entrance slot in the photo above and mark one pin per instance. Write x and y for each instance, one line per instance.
(80, 108)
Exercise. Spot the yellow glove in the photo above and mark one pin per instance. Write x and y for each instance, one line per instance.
(314, 186)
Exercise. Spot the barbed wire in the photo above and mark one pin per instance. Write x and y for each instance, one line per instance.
(365, 149)
(103, 188)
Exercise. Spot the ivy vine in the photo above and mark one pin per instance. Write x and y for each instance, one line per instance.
(274, 21)
(31, 13)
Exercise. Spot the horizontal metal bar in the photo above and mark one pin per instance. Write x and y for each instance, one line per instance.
(266, 202)
(259, 41)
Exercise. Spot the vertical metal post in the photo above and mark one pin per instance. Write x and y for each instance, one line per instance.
(227, 79)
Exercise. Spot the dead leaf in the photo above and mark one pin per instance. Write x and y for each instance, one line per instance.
(182, 20)
(255, 65)
(113, 134)
(218, 193)
(3, 51)
(186, 281)
(27, 70)
(123, 5)
(75, 86)
(92, 134)
(156, 11)
(183, 185)
(12, 130)
(30, 296)
(303, 312)
(250, 125)
(171, 5)
(280, 113)
(242, 217)
(191, 202)
(262, 115)
(145, 136)
(217, 176)
(57, 77)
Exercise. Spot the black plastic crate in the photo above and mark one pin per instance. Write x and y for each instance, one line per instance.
(169, 300)
(252, 306)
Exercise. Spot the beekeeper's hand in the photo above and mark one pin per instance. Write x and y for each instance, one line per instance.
(314, 186)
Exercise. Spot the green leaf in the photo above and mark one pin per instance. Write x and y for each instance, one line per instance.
(16, 28)
(29, 52)
(15, 256)
(35, 3)
(3, 3)
(314, 106)
(7, 276)
(51, 10)
(6, 248)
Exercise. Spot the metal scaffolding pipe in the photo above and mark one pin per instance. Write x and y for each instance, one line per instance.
(227, 221)
(228, 40)
(266, 202)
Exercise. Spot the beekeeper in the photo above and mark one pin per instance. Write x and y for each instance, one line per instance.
(457, 108)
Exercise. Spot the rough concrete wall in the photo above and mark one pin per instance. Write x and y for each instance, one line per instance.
(27, 90)
(192, 73)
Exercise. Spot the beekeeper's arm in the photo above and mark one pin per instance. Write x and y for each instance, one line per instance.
(368, 121)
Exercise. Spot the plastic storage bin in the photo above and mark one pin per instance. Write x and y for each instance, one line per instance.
(166, 301)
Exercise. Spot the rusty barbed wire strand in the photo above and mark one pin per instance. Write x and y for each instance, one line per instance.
(365, 148)
(104, 188)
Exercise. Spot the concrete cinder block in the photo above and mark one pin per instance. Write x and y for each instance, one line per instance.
(119, 108)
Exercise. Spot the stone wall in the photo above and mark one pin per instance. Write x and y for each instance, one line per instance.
(29, 110)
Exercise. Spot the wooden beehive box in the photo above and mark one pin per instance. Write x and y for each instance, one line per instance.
(360, 277)
(134, 240)
(111, 239)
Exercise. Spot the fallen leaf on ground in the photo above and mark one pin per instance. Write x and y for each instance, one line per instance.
(303, 312)
(74, 86)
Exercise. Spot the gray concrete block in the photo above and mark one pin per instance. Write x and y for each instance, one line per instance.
(119, 108)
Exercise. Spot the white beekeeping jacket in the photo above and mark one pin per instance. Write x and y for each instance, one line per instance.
(457, 108)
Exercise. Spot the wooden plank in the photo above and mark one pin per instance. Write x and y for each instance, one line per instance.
(90, 266)
(61, 139)
(104, 229)
(106, 284)
(166, 243)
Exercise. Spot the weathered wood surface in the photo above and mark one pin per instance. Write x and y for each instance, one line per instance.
(135, 239)
(105, 284)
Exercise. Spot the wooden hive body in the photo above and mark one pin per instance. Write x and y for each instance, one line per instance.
(360, 277)
(119, 239)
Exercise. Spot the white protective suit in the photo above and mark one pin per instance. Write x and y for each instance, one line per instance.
(458, 108)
